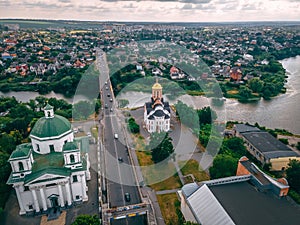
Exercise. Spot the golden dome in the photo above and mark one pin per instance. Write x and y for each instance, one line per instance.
(156, 86)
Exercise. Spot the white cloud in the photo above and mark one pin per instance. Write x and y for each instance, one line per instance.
(153, 10)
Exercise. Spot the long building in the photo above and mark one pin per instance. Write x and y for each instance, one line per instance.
(266, 148)
(250, 197)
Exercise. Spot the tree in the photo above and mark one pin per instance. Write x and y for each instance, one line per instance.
(256, 85)
(206, 115)
(245, 92)
(133, 126)
(293, 175)
(161, 146)
(87, 220)
(235, 146)
(223, 166)
(82, 110)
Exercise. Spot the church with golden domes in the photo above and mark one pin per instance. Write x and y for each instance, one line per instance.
(157, 111)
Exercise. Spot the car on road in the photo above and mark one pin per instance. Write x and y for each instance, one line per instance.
(120, 159)
(89, 134)
(111, 109)
(106, 88)
(105, 82)
(116, 136)
(127, 197)
(106, 106)
(108, 95)
(110, 100)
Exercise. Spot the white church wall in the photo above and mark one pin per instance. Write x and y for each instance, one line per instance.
(44, 145)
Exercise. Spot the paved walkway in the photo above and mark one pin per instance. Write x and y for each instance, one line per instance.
(61, 220)
(167, 191)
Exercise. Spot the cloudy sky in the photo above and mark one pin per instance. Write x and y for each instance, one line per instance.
(153, 10)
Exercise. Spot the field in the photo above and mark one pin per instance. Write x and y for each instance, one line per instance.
(168, 206)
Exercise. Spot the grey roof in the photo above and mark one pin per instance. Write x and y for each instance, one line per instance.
(255, 172)
(246, 205)
(206, 208)
(265, 142)
(159, 113)
(189, 189)
(242, 128)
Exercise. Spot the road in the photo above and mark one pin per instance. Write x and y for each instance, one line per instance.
(119, 173)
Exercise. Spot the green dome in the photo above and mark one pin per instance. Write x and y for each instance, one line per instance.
(50, 127)
(21, 151)
(70, 146)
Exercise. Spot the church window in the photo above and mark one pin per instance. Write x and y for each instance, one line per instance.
(38, 147)
(75, 179)
(21, 167)
(72, 158)
(51, 148)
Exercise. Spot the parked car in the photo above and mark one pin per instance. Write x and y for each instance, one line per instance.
(127, 197)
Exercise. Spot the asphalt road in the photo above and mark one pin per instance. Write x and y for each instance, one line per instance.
(119, 173)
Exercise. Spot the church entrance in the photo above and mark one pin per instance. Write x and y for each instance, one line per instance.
(55, 208)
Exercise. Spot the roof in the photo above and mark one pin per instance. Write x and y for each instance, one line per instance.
(246, 205)
(252, 168)
(51, 127)
(241, 128)
(48, 107)
(206, 208)
(57, 171)
(22, 151)
(265, 142)
(156, 86)
(70, 146)
(189, 189)
(159, 113)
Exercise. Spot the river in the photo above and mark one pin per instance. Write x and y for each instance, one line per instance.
(281, 112)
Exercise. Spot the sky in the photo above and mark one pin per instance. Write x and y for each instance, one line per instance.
(153, 10)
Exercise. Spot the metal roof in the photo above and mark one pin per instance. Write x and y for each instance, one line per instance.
(206, 208)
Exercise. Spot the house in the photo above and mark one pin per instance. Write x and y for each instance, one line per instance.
(6, 56)
(157, 111)
(265, 148)
(235, 74)
(50, 173)
(250, 197)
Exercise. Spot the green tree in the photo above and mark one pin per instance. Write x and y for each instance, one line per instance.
(206, 115)
(223, 166)
(256, 85)
(87, 220)
(161, 146)
(245, 92)
(133, 126)
(234, 146)
(82, 110)
(293, 175)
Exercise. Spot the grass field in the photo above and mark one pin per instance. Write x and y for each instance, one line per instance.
(159, 177)
(192, 167)
(168, 208)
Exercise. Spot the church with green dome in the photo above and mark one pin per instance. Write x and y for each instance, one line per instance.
(51, 172)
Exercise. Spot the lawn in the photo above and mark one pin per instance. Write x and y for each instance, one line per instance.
(160, 176)
(168, 208)
(192, 167)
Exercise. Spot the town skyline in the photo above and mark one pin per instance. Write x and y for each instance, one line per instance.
(153, 10)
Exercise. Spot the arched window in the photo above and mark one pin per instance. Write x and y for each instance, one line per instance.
(72, 158)
(21, 167)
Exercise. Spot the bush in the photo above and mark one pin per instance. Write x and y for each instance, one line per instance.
(284, 140)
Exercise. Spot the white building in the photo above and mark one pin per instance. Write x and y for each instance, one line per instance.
(51, 171)
(157, 112)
